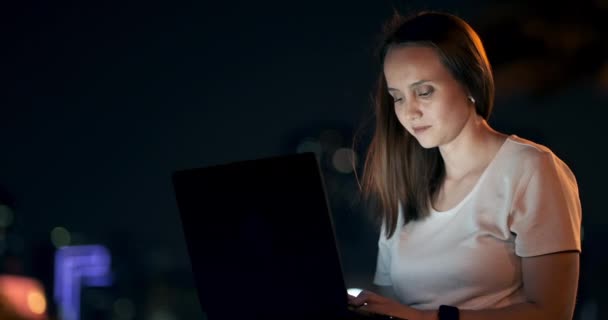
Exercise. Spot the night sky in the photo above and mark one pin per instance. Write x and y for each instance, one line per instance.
(102, 101)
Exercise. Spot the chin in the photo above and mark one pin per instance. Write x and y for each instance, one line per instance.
(426, 144)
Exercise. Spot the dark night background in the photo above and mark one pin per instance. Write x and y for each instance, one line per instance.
(102, 100)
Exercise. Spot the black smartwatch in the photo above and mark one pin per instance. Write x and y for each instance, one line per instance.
(448, 313)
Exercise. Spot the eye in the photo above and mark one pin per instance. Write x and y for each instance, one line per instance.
(396, 97)
(425, 91)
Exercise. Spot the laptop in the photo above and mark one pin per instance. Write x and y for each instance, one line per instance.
(261, 241)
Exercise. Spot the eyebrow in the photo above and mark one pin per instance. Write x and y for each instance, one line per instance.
(417, 83)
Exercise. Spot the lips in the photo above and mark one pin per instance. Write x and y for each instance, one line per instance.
(420, 129)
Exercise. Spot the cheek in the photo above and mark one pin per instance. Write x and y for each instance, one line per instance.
(400, 117)
(454, 117)
(448, 109)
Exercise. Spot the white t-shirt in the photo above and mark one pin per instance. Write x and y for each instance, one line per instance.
(524, 204)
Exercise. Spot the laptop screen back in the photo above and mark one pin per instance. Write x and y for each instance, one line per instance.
(260, 239)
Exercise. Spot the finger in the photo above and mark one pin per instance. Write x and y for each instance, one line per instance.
(367, 308)
(362, 298)
(356, 301)
(372, 308)
(371, 297)
(350, 298)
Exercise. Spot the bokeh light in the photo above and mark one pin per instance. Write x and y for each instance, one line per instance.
(60, 237)
(124, 308)
(36, 302)
(24, 295)
(310, 145)
(6, 216)
(343, 160)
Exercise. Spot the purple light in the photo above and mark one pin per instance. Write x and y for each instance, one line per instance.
(76, 266)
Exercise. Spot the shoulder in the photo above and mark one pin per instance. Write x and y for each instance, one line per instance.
(527, 149)
(534, 159)
(531, 154)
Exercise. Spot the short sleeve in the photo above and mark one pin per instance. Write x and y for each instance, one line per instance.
(546, 215)
(382, 276)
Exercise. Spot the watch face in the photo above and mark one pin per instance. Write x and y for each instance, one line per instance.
(448, 313)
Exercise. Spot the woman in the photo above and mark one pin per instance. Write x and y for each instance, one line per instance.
(476, 224)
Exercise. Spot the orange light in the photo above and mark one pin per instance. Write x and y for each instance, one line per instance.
(36, 302)
(25, 296)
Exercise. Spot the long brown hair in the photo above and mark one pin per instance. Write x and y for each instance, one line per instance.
(397, 170)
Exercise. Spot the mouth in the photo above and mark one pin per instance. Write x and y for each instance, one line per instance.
(420, 129)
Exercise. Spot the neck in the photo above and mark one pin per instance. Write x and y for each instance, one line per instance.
(472, 150)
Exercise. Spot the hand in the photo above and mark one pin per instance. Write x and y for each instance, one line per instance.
(373, 302)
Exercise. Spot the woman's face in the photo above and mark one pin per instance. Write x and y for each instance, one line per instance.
(430, 104)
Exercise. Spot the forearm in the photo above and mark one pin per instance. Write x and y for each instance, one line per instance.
(550, 285)
(386, 291)
(526, 310)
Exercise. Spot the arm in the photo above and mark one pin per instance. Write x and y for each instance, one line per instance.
(550, 284)
(386, 291)
(546, 219)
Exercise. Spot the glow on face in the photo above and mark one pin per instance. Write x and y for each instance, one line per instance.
(428, 102)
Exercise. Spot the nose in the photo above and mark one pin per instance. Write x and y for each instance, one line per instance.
(412, 111)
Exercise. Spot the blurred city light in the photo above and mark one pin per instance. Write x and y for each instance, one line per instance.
(310, 145)
(77, 266)
(343, 160)
(60, 237)
(25, 296)
(124, 308)
(36, 302)
(6, 216)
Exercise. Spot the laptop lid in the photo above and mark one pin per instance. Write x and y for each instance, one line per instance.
(260, 239)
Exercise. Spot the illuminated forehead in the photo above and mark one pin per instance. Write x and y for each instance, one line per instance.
(406, 64)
